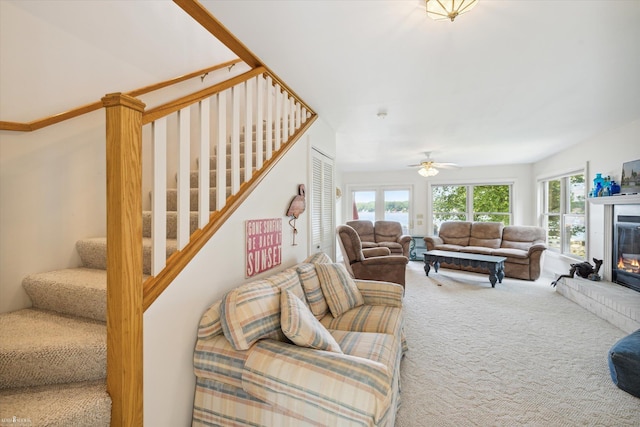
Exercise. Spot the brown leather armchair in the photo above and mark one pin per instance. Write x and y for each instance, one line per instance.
(382, 234)
(388, 268)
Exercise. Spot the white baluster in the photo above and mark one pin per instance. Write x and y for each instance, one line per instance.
(278, 117)
(248, 130)
(285, 117)
(221, 154)
(269, 125)
(203, 166)
(235, 138)
(183, 184)
(259, 120)
(159, 196)
(292, 116)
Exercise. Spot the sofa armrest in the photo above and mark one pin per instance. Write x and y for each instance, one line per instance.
(373, 252)
(538, 247)
(318, 385)
(432, 241)
(405, 238)
(380, 293)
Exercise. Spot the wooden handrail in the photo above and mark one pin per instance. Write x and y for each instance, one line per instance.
(94, 106)
(215, 27)
(176, 105)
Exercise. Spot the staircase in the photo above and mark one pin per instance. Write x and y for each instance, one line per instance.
(53, 355)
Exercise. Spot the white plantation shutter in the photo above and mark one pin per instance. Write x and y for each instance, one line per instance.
(328, 203)
(316, 203)
(322, 205)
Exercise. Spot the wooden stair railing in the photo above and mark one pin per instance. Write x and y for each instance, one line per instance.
(94, 106)
(253, 97)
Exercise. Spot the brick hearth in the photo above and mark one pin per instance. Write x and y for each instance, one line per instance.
(617, 304)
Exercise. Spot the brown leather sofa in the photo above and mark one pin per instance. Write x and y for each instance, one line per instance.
(522, 245)
(386, 268)
(386, 234)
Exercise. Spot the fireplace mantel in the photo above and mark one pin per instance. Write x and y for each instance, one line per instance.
(627, 199)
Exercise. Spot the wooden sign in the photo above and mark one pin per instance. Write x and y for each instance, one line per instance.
(264, 245)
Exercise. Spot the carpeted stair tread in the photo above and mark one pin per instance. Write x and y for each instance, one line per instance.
(84, 404)
(172, 199)
(41, 347)
(93, 252)
(172, 224)
(75, 291)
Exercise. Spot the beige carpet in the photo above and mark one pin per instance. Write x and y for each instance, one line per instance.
(519, 354)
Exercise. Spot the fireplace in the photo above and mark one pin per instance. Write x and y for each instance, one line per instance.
(625, 263)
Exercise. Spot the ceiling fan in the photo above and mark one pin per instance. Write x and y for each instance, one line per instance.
(430, 167)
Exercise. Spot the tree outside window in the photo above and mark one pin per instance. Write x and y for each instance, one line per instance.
(483, 203)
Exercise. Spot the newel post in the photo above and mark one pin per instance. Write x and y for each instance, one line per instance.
(124, 258)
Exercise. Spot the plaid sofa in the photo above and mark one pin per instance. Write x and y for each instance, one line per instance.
(261, 358)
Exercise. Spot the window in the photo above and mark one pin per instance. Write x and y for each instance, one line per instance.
(563, 214)
(486, 202)
(389, 204)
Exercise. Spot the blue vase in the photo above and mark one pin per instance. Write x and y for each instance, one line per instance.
(615, 187)
(598, 184)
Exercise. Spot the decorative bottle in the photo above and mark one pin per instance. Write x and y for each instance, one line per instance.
(598, 183)
(615, 188)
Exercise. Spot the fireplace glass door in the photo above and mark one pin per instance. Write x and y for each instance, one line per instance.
(626, 246)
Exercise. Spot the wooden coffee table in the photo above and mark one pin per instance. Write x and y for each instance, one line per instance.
(495, 264)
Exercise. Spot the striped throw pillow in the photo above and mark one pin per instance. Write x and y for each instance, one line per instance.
(301, 327)
(249, 313)
(338, 288)
(210, 324)
(313, 292)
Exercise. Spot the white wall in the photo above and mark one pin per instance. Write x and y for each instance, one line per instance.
(605, 154)
(170, 324)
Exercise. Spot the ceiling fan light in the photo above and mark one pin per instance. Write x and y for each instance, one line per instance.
(440, 10)
(428, 171)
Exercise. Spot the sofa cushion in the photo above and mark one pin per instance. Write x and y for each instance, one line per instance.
(448, 247)
(250, 312)
(522, 236)
(517, 256)
(477, 250)
(311, 286)
(210, 324)
(288, 280)
(486, 234)
(387, 231)
(368, 318)
(317, 258)
(338, 288)
(455, 232)
(301, 327)
(392, 246)
(381, 348)
(364, 228)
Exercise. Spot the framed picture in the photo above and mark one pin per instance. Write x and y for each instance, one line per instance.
(630, 178)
